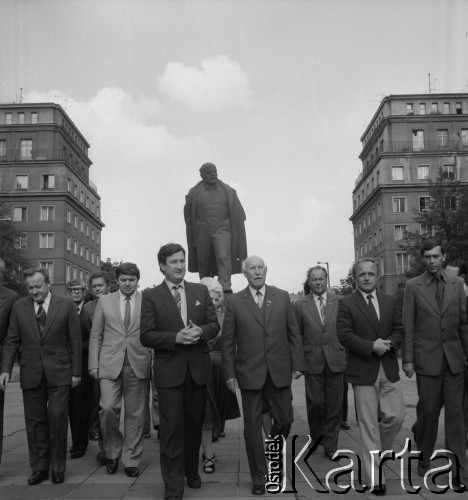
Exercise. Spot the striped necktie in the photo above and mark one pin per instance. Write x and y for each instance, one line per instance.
(259, 299)
(177, 298)
(128, 313)
(322, 308)
(41, 318)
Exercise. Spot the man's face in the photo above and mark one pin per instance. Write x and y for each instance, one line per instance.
(174, 268)
(37, 287)
(209, 175)
(366, 277)
(453, 271)
(318, 281)
(76, 293)
(433, 260)
(99, 287)
(127, 284)
(255, 272)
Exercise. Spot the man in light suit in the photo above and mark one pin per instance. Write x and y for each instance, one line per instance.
(7, 298)
(122, 364)
(435, 347)
(47, 329)
(262, 353)
(325, 359)
(177, 320)
(368, 326)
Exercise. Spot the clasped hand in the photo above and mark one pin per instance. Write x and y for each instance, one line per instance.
(190, 334)
(382, 346)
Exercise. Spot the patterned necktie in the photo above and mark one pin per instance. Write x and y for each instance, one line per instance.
(177, 298)
(259, 299)
(372, 308)
(439, 293)
(128, 313)
(322, 308)
(41, 318)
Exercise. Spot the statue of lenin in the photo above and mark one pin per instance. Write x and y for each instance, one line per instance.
(214, 220)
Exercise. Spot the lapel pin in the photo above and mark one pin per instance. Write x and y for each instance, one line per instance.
(268, 303)
(197, 303)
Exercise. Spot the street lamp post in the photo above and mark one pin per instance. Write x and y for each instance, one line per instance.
(328, 271)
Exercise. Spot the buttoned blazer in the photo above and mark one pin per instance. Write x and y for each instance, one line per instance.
(108, 341)
(7, 298)
(320, 340)
(57, 354)
(255, 342)
(431, 333)
(358, 329)
(160, 323)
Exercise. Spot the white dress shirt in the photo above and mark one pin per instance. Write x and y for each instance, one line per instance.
(375, 302)
(45, 305)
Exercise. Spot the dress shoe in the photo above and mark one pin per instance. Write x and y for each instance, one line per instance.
(76, 454)
(94, 436)
(58, 477)
(156, 427)
(38, 476)
(112, 465)
(194, 482)
(380, 490)
(101, 458)
(132, 471)
(258, 489)
(345, 426)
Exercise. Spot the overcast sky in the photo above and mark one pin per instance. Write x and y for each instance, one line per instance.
(276, 93)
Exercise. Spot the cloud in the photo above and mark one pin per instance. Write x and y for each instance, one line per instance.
(219, 83)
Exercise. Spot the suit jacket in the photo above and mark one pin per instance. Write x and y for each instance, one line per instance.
(255, 342)
(7, 298)
(160, 323)
(358, 330)
(320, 340)
(431, 333)
(57, 354)
(108, 341)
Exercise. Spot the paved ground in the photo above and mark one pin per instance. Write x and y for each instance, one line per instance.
(85, 479)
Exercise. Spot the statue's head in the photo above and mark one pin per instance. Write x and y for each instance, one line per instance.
(209, 173)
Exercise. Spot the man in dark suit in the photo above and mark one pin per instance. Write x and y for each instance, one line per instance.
(47, 329)
(368, 326)
(7, 297)
(435, 347)
(325, 360)
(177, 320)
(262, 352)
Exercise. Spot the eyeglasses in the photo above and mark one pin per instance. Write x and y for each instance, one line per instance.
(75, 290)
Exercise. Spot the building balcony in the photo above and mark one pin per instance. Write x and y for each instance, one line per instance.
(32, 155)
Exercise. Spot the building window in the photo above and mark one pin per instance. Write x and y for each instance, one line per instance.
(75, 191)
(8, 118)
(48, 181)
(448, 172)
(380, 235)
(87, 202)
(21, 118)
(442, 137)
(69, 216)
(424, 203)
(378, 209)
(33, 118)
(370, 244)
(75, 272)
(21, 241)
(401, 262)
(373, 214)
(46, 240)
(399, 232)
(87, 230)
(360, 227)
(381, 265)
(92, 257)
(397, 173)
(399, 205)
(434, 107)
(69, 243)
(98, 237)
(450, 203)
(98, 260)
(463, 136)
(81, 250)
(76, 221)
(2, 148)
(423, 172)
(458, 108)
(375, 239)
(75, 247)
(81, 274)
(21, 181)
(422, 108)
(20, 214)
(368, 219)
(446, 108)
(26, 149)
(48, 213)
(92, 233)
(68, 272)
(82, 225)
(418, 140)
(49, 265)
(81, 196)
(426, 229)
(69, 185)
(364, 222)
(409, 108)
(87, 254)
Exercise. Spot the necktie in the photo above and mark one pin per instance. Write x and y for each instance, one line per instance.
(439, 293)
(40, 318)
(372, 308)
(322, 308)
(128, 313)
(177, 298)
(259, 299)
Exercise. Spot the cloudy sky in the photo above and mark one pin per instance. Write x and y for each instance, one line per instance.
(276, 93)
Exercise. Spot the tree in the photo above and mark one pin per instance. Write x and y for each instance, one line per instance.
(108, 267)
(347, 285)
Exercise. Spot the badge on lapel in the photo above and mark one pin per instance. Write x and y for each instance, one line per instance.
(268, 303)
(197, 303)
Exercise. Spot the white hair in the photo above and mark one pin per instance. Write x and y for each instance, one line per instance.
(249, 258)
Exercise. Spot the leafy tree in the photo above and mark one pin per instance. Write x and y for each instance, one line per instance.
(347, 285)
(108, 268)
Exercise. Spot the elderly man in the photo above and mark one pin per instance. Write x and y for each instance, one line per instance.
(262, 353)
(47, 329)
(215, 228)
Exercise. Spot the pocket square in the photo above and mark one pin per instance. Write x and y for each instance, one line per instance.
(197, 303)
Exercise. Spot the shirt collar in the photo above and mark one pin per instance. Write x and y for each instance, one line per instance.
(316, 297)
(170, 284)
(123, 297)
(428, 277)
(253, 291)
(365, 294)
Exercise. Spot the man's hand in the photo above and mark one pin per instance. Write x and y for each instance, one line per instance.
(408, 368)
(232, 384)
(381, 346)
(189, 335)
(297, 375)
(75, 381)
(93, 373)
(4, 378)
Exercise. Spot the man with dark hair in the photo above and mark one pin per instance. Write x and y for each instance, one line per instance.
(7, 298)
(177, 320)
(368, 326)
(47, 329)
(120, 362)
(435, 347)
(214, 220)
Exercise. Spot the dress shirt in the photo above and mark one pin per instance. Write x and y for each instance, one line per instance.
(45, 305)
(375, 302)
(253, 291)
(79, 307)
(317, 302)
(183, 298)
(122, 298)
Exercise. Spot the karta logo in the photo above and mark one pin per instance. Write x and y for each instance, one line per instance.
(345, 477)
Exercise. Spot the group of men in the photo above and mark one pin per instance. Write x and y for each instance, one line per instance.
(266, 343)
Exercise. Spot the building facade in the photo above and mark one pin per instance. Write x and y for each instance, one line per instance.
(44, 181)
(409, 139)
